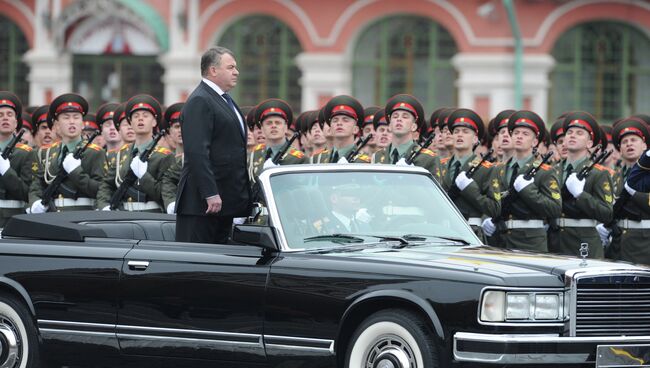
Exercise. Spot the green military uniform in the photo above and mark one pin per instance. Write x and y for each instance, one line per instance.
(105, 114)
(79, 188)
(334, 155)
(261, 153)
(523, 226)
(577, 223)
(170, 181)
(146, 193)
(426, 159)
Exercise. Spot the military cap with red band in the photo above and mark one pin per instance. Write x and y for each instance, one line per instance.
(27, 122)
(105, 112)
(39, 116)
(435, 116)
(631, 125)
(119, 114)
(273, 107)
(466, 118)
(582, 120)
(173, 113)
(557, 129)
(90, 122)
(343, 105)
(8, 99)
(608, 132)
(527, 119)
(369, 115)
(66, 103)
(379, 119)
(408, 103)
(143, 102)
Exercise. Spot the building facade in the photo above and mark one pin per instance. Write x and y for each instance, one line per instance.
(577, 54)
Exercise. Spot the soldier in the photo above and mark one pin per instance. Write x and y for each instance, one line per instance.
(405, 114)
(123, 125)
(506, 144)
(479, 195)
(250, 136)
(530, 201)
(316, 136)
(383, 134)
(173, 174)
(143, 113)
(79, 189)
(111, 137)
(446, 146)
(614, 159)
(585, 202)
(557, 138)
(367, 128)
(302, 126)
(43, 136)
(90, 127)
(15, 170)
(632, 208)
(28, 137)
(273, 116)
(341, 115)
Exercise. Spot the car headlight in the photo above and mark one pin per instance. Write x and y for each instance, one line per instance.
(522, 306)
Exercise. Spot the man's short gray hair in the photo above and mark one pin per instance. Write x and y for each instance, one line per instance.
(213, 57)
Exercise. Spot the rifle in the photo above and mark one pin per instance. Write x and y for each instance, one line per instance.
(358, 148)
(409, 160)
(454, 191)
(508, 198)
(130, 178)
(53, 187)
(278, 156)
(568, 201)
(12, 144)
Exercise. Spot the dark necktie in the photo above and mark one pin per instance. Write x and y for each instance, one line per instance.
(269, 153)
(232, 106)
(335, 157)
(134, 154)
(569, 170)
(456, 170)
(394, 156)
(64, 153)
(515, 171)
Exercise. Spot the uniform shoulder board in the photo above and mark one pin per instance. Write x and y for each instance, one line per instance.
(163, 150)
(444, 160)
(124, 147)
(546, 167)
(24, 147)
(600, 167)
(112, 150)
(46, 146)
(429, 152)
(95, 147)
(260, 147)
(487, 164)
(296, 153)
(363, 157)
(54, 144)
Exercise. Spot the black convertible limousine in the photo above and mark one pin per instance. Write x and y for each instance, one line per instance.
(338, 266)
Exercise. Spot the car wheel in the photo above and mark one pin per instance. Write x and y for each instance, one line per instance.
(392, 339)
(18, 341)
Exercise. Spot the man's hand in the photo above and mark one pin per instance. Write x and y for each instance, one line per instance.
(214, 204)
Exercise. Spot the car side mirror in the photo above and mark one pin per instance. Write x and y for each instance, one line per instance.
(258, 212)
(262, 236)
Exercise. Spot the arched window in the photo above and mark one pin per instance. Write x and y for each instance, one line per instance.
(602, 68)
(405, 54)
(13, 71)
(265, 49)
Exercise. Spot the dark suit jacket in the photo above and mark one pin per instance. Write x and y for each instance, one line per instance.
(215, 156)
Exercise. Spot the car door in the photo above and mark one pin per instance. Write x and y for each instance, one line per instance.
(191, 300)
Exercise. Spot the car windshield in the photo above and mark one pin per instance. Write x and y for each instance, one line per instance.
(334, 209)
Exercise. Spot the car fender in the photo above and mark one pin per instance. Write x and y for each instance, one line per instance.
(11, 286)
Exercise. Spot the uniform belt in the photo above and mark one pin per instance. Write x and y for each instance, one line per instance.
(569, 222)
(631, 224)
(475, 221)
(69, 202)
(524, 224)
(12, 203)
(141, 206)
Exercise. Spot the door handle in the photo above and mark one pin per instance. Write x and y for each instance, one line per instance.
(138, 265)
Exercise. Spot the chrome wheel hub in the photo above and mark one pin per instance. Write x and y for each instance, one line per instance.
(9, 346)
(390, 352)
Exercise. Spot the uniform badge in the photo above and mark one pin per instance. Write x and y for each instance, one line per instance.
(556, 195)
(35, 166)
(554, 185)
(606, 187)
(495, 184)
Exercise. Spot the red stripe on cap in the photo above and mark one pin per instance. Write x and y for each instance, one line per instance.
(175, 116)
(559, 132)
(528, 124)
(107, 115)
(273, 111)
(503, 123)
(345, 110)
(143, 106)
(463, 121)
(7, 103)
(609, 137)
(582, 124)
(27, 123)
(91, 125)
(406, 106)
(122, 116)
(69, 107)
(42, 119)
(369, 119)
(632, 130)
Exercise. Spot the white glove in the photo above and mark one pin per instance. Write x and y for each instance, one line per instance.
(521, 183)
(268, 163)
(603, 232)
(70, 163)
(238, 220)
(38, 207)
(402, 162)
(106, 208)
(575, 186)
(363, 215)
(139, 168)
(488, 226)
(462, 181)
(171, 208)
(343, 160)
(647, 153)
(4, 165)
(630, 189)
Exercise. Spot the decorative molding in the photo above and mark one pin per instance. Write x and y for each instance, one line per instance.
(24, 9)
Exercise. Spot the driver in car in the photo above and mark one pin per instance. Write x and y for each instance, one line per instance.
(346, 214)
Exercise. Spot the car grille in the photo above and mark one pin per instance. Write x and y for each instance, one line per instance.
(613, 305)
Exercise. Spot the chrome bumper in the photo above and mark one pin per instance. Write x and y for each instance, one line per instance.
(537, 349)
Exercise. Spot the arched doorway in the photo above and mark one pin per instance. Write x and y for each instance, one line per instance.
(405, 54)
(13, 71)
(603, 68)
(265, 49)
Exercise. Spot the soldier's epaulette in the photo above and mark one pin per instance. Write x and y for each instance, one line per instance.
(46, 146)
(546, 167)
(487, 164)
(605, 168)
(95, 147)
(163, 150)
(296, 153)
(124, 147)
(260, 147)
(24, 147)
(363, 157)
(429, 152)
(54, 144)
(112, 150)
(600, 167)
(323, 151)
(444, 160)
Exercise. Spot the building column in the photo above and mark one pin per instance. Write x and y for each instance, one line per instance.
(324, 75)
(491, 76)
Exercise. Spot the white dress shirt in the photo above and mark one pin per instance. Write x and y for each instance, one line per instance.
(221, 92)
